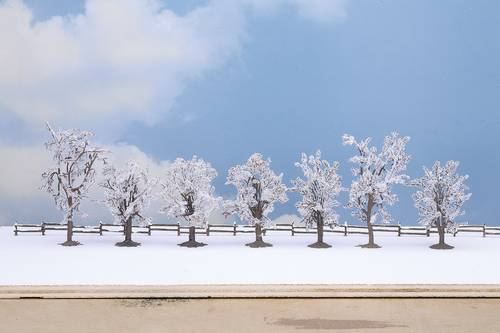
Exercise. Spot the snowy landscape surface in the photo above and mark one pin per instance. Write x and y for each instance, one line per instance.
(32, 259)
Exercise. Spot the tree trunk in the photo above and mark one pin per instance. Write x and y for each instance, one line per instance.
(441, 231)
(320, 231)
(320, 226)
(259, 242)
(128, 242)
(192, 239)
(128, 230)
(192, 234)
(69, 229)
(371, 241)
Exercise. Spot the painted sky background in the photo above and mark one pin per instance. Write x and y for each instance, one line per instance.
(223, 79)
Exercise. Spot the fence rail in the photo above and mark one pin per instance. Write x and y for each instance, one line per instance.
(235, 229)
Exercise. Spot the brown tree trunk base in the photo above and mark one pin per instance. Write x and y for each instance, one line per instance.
(128, 243)
(370, 246)
(71, 243)
(192, 239)
(259, 243)
(258, 238)
(319, 245)
(442, 246)
(192, 243)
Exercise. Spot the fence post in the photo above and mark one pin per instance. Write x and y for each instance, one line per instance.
(15, 229)
(149, 229)
(234, 228)
(293, 230)
(208, 229)
(178, 229)
(399, 230)
(100, 228)
(484, 230)
(428, 232)
(345, 229)
(43, 228)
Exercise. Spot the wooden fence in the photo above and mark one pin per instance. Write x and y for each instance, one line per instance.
(235, 229)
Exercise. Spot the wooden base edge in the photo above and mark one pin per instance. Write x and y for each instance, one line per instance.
(251, 291)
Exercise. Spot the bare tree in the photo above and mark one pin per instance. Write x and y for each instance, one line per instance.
(439, 200)
(188, 193)
(258, 188)
(127, 193)
(319, 191)
(375, 174)
(73, 174)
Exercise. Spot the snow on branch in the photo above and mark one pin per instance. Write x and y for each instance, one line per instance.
(188, 192)
(127, 192)
(375, 173)
(441, 195)
(75, 167)
(319, 190)
(258, 189)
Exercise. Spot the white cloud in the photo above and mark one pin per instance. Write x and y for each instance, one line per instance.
(21, 170)
(120, 60)
(287, 219)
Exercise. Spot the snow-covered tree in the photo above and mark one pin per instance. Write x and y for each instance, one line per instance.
(439, 200)
(375, 174)
(258, 188)
(319, 191)
(127, 194)
(188, 193)
(68, 182)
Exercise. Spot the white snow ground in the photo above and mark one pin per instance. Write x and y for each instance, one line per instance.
(32, 259)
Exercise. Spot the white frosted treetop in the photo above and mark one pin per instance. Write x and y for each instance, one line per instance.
(188, 192)
(319, 189)
(258, 189)
(442, 193)
(375, 173)
(127, 192)
(74, 171)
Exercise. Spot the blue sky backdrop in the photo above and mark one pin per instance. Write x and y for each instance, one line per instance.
(223, 79)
